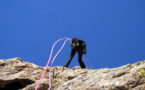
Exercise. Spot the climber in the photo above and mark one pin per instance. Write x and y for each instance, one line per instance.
(78, 46)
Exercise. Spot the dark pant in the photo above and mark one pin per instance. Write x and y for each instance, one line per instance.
(80, 54)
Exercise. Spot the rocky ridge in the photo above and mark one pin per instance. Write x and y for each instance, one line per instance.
(15, 74)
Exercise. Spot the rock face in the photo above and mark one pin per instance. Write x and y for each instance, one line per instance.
(15, 74)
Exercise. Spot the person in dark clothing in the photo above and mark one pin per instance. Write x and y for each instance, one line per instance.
(78, 46)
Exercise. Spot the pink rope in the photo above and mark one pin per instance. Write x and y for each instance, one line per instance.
(52, 63)
(49, 61)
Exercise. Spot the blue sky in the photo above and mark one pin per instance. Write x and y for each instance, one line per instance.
(114, 30)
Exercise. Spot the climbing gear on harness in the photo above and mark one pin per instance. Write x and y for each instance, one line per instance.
(77, 44)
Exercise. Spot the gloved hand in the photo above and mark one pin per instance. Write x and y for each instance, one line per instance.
(84, 51)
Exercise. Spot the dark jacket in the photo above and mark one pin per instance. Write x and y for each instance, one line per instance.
(77, 43)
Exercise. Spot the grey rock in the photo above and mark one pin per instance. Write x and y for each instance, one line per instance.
(15, 74)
